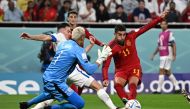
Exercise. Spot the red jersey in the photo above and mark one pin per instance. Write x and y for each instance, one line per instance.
(88, 35)
(126, 57)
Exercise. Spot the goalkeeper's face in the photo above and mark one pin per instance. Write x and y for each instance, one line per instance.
(120, 37)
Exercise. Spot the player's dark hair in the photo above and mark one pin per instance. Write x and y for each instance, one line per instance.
(120, 28)
(66, 1)
(141, 1)
(45, 53)
(62, 25)
(89, 1)
(72, 12)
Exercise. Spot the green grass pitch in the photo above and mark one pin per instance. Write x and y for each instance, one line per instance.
(148, 101)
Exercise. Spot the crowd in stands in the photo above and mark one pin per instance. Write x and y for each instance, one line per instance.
(93, 10)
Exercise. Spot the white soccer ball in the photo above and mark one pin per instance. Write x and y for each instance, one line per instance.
(133, 104)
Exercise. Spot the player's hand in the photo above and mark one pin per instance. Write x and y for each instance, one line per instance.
(102, 44)
(92, 40)
(164, 14)
(102, 55)
(152, 57)
(25, 36)
(174, 58)
(105, 83)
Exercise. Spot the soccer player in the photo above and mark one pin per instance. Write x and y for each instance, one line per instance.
(72, 19)
(127, 64)
(167, 50)
(68, 54)
(78, 76)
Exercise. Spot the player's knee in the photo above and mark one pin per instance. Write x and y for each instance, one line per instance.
(80, 104)
(95, 85)
(117, 85)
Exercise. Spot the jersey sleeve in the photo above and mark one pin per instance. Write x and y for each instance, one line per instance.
(171, 39)
(57, 37)
(105, 68)
(139, 31)
(88, 35)
(83, 61)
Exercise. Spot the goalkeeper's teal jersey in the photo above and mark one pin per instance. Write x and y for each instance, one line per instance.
(68, 54)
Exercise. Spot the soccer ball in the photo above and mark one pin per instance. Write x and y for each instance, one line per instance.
(133, 104)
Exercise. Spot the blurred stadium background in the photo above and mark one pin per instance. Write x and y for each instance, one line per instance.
(21, 79)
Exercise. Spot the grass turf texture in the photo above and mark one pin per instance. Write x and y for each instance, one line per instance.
(148, 101)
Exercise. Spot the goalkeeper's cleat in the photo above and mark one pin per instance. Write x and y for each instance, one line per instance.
(23, 105)
(186, 95)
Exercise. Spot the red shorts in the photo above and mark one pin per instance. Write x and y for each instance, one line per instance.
(128, 73)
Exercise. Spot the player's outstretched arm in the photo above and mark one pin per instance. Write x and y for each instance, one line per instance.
(151, 24)
(154, 54)
(89, 67)
(105, 68)
(40, 37)
(89, 35)
(88, 48)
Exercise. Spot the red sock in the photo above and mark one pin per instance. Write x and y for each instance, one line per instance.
(120, 91)
(74, 88)
(80, 90)
(132, 91)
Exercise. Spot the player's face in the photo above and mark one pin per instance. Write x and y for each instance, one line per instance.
(164, 25)
(120, 37)
(141, 5)
(72, 19)
(66, 31)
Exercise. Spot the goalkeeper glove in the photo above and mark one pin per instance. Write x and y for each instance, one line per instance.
(102, 55)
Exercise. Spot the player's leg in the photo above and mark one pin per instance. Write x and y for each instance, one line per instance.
(74, 102)
(80, 89)
(61, 91)
(135, 76)
(133, 82)
(160, 80)
(38, 99)
(174, 81)
(161, 76)
(102, 94)
(82, 79)
(119, 84)
(171, 76)
(186, 95)
(43, 104)
(74, 87)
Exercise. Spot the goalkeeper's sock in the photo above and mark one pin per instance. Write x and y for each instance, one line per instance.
(43, 104)
(132, 91)
(120, 91)
(105, 98)
(160, 82)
